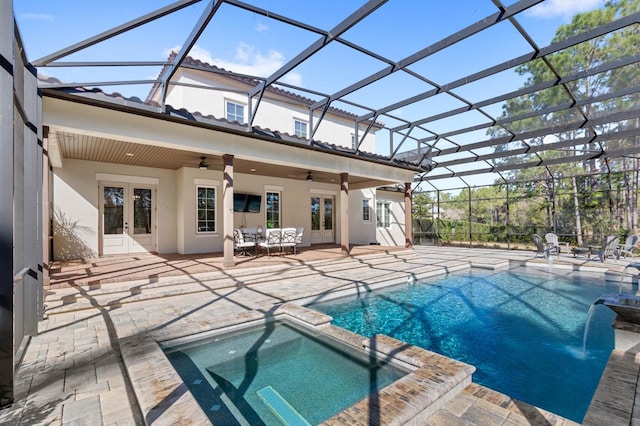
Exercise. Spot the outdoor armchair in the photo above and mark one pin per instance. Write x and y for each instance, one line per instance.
(626, 249)
(240, 244)
(543, 248)
(609, 248)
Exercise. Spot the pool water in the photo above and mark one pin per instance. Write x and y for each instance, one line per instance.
(523, 331)
(276, 374)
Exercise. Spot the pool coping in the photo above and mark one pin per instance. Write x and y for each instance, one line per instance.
(432, 381)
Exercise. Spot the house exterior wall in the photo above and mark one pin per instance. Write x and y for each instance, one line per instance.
(77, 207)
(362, 231)
(275, 112)
(394, 234)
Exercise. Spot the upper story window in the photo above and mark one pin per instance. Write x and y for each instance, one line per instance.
(300, 128)
(235, 112)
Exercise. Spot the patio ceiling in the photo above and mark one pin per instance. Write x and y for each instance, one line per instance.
(438, 90)
(92, 148)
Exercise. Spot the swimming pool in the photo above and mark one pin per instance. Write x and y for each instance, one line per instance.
(522, 330)
(276, 373)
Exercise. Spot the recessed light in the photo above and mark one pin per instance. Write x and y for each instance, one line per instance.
(129, 154)
(253, 170)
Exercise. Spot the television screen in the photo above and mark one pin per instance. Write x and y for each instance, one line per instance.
(253, 203)
(239, 202)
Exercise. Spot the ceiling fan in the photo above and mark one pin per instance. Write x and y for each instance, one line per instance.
(203, 164)
(309, 176)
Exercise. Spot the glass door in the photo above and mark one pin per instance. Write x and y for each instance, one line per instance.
(322, 219)
(127, 218)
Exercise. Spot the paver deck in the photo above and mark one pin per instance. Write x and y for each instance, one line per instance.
(72, 372)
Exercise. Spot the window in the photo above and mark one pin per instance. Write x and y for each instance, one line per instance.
(383, 214)
(272, 209)
(354, 143)
(235, 112)
(206, 209)
(366, 211)
(300, 128)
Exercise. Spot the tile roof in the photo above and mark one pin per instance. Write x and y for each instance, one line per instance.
(222, 123)
(193, 63)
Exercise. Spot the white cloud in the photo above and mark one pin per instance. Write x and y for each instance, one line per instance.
(247, 60)
(261, 27)
(37, 17)
(563, 8)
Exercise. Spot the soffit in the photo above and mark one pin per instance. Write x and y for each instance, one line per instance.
(92, 148)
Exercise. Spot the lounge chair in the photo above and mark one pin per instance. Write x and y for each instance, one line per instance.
(609, 248)
(240, 244)
(542, 248)
(626, 249)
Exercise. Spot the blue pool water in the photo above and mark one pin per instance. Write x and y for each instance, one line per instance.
(523, 331)
(256, 375)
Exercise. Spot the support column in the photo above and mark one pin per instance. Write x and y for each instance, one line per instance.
(227, 209)
(45, 210)
(408, 221)
(7, 336)
(344, 213)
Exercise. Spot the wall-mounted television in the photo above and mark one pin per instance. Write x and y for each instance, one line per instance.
(247, 203)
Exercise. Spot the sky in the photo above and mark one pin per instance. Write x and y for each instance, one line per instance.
(250, 43)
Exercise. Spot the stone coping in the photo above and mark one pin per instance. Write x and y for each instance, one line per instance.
(614, 401)
(433, 379)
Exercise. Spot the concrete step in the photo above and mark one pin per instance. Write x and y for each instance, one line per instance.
(64, 300)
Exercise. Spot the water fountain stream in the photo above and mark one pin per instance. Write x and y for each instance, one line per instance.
(587, 323)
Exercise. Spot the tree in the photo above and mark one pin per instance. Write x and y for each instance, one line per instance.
(540, 109)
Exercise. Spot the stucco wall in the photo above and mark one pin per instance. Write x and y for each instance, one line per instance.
(76, 207)
(360, 231)
(274, 114)
(394, 234)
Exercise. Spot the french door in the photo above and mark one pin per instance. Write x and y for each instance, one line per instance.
(322, 219)
(127, 215)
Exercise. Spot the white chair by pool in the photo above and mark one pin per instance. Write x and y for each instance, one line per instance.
(543, 249)
(240, 244)
(299, 233)
(272, 239)
(552, 241)
(288, 239)
(609, 248)
(626, 249)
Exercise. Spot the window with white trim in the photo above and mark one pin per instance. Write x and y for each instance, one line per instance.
(366, 210)
(205, 209)
(272, 209)
(300, 128)
(235, 112)
(383, 214)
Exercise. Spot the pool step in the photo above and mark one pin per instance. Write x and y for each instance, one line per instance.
(281, 408)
